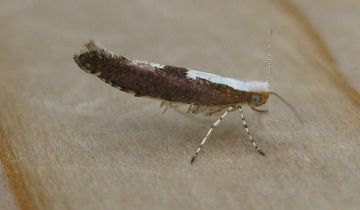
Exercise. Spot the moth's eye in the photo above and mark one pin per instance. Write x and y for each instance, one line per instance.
(255, 100)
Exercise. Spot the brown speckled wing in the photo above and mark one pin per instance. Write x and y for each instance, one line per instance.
(168, 83)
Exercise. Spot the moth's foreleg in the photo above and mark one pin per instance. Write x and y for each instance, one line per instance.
(213, 126)
(248, 132)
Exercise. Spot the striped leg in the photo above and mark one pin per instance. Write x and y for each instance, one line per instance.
(248, 132)
(213, 126)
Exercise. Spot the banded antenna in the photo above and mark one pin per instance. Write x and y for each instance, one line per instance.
(269, 57)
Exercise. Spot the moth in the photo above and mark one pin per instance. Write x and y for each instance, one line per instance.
(202, 92)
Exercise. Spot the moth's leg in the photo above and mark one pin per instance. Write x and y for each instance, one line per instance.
(217, 111)
(166, 107)
(248, 132)
(163, 103)
(195, 110)
(189, 108)
(166, 104)
(213, 126)
(259, 110)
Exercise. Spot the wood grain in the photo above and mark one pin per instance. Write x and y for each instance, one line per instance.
(68, 141)
(7, 200)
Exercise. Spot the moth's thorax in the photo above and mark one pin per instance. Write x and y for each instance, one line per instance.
(246, 91)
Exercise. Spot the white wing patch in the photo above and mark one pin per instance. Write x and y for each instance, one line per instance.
(154, 65)
(236, 84)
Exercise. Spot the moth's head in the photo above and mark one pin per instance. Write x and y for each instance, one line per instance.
(258, 93)
(258, 98)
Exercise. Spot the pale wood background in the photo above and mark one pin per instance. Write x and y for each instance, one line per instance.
(69, 141)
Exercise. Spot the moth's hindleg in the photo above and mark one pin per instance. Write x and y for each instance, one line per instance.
(213, 126)
(248, 132)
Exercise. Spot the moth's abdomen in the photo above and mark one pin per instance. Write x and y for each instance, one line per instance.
(154, 80)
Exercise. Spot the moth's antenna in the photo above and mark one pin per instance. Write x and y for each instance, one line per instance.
(269, 57)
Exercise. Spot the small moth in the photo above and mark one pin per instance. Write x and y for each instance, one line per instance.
(204, 93)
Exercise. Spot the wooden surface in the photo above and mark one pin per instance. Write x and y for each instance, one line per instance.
(69, 141)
